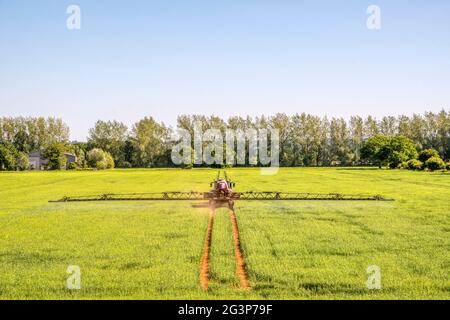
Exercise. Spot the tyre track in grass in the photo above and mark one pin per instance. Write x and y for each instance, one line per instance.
(204, 262)
(241, 267)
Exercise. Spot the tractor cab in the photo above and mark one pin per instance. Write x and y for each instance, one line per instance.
(222, 193)
(222, 185)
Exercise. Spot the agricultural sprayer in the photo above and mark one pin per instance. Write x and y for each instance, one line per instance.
(223, 194)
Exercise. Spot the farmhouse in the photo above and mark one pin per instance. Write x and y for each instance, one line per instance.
(38, 162)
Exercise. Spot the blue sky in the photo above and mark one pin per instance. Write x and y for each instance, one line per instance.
(235, 57)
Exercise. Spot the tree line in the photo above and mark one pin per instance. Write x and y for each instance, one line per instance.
(20, 135)
(305, 139)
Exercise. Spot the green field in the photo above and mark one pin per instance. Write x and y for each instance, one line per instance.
(294, 250)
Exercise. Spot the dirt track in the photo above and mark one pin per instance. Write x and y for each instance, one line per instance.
(241, 268)
(204, 263)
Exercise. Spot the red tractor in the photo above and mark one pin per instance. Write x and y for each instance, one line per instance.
(222, 194)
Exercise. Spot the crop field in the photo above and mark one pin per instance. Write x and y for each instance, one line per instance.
(292, 249)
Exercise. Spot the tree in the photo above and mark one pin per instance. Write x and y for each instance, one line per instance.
(388, 126)
(308, 140)
(129, 152)
(371, 127)
(399, 149)
(357, 136)
(374, 150)
(151, 141)
(99, 159)
(426, 154)
(340, 142)
(305, 140)
(415, 164)
(392, 151)
(435, 163)
(54, 153)
(22, 162)
(281, 122)
(57, 131)
(79, 150)
(418, 131)
(12, 159)
(109, 136)
(21, 141)
(7, 157)
(404, 126)
(109, 161)
(28, 134)
(73, 166)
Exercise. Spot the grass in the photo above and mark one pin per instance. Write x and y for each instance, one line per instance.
(294, 250)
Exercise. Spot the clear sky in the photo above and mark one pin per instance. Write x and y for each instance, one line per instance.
(162, 58)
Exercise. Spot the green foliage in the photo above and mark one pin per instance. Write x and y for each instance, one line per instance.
(414, 164)
(339, 146)
(392, 151)
(109, 161)
(73, 166)
(375, 151)
(11, 159)
(151, 141)
(305, 140)
(129, 152)
(22, 162)
(99, 159)
(96, 159)
(79, 150)
(29, 134)
(8, 156)
(21, 141)
(435, 163)
(398, 150)
(101, 165)
(426, 154)
(123, 164)
(109, 136)
(54, 153)
(403, 165)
